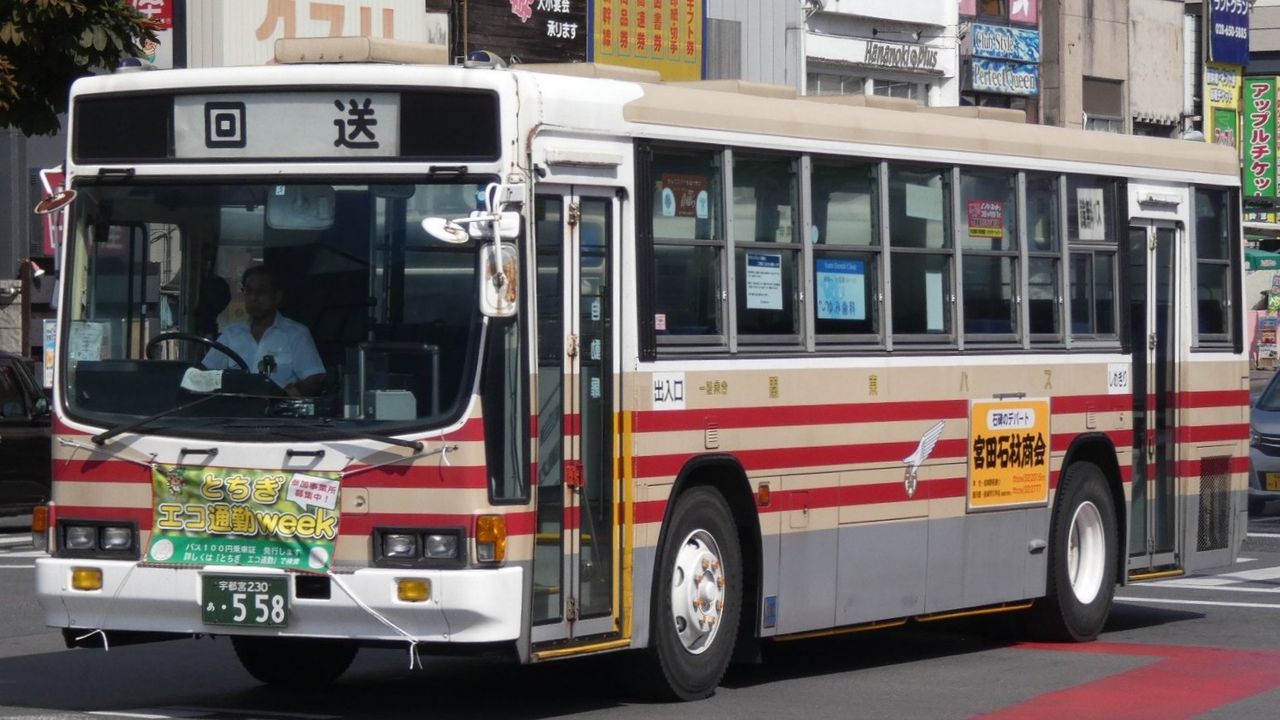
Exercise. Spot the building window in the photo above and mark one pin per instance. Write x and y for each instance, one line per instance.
(833, 84)
(845, 236)
(922, 253)
(898, 88)
(991, 8)
(1103, 105)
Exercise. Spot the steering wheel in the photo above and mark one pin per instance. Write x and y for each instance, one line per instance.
(189, 337)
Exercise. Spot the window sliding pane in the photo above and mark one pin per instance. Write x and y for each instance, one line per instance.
(688, 289)
(845, 209)
(988, 295)
(1043, 291)
(918, 209)
(921, 289)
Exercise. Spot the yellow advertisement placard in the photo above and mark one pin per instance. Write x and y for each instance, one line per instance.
(1222, 86)
(662, 35)
(1008, 453)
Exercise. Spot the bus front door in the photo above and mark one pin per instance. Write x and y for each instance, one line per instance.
(1153, 327)
(575, 567)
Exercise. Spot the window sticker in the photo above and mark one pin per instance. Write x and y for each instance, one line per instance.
(764, 281)
(841, 289)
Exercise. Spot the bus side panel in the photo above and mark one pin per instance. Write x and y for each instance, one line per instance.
(882, 571)
(978, 560)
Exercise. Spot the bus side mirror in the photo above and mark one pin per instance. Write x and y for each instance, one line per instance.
(499, 280)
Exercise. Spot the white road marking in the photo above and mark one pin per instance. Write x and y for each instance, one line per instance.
(183, 711)
(1256, 575)
(1266, 535)
(1246, 560)
(16, 567)
(25, 554)
(254, 713)
(1177, 585)
(1216, 603)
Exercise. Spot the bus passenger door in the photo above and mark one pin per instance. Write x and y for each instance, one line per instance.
(576, 550)
(1152, 325)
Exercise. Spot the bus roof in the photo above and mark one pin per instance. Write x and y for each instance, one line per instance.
(714, 109)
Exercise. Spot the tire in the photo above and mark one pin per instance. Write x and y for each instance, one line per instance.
(1256, 506)
(296, 662)
(697, 597)
(1082, 559)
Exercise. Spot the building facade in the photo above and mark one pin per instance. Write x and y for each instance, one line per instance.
(882, 47)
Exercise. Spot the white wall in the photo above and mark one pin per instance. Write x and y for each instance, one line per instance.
(928, 12)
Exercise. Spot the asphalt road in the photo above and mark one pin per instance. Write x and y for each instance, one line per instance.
(1188, 647)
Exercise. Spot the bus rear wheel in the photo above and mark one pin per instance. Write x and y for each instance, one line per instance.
(296, 662)
(1082, 559)
(697, 596)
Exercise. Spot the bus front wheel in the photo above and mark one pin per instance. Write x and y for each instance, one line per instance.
(1082, 559)
(294, 661)
(697, 595)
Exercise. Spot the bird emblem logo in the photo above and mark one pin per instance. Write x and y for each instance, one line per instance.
(917, 458)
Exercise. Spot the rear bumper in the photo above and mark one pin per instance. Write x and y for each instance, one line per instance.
(466, 606)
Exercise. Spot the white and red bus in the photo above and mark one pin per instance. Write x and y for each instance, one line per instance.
(611, 363)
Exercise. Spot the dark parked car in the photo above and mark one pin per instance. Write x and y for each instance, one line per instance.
(25, 444)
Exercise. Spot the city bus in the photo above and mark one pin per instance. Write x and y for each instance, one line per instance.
(616, 364)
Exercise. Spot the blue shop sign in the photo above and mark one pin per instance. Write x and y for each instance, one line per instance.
(1006, 78)
(1005, 43)
(1229, 32)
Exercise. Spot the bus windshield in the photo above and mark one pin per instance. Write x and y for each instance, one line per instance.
(209, 309)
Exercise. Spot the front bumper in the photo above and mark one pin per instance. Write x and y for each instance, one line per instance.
(1260, 464)
(466, 606)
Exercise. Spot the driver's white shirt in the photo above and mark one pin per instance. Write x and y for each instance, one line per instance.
(286, 341)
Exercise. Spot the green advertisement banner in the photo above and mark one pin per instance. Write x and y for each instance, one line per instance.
(1224, 127)
(253, 518)
(1260, 137)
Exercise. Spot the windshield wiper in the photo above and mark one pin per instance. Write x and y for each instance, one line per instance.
(102, 437)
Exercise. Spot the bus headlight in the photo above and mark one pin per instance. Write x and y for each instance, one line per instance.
(399, 545)
(440, 545)
(116, 538)
(419, 547)
(80, 537)
(97, 538)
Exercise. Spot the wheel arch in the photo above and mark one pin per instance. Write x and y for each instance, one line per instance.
(1099, 449)
(725, 474)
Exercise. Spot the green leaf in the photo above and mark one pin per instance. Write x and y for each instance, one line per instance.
(99, 39)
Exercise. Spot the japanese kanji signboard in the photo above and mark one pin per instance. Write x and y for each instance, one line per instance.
(524, 30)
(662, 35)
(1008, 453)
(1260, 137)
(254, 518)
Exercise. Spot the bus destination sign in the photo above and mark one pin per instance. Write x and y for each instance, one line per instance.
(341, 123)
(1008, 453)
(253, 518)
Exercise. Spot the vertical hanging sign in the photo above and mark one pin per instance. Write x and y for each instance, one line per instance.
(1260, 137)
(662, 35)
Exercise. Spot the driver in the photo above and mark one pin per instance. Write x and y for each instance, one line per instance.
(271, 343)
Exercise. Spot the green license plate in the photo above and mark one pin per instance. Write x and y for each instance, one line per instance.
(245, 600)
(1273, 481)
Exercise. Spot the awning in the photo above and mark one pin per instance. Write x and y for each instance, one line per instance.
(1261, 259)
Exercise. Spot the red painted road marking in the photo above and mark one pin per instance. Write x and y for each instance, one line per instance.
(1181, 682)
